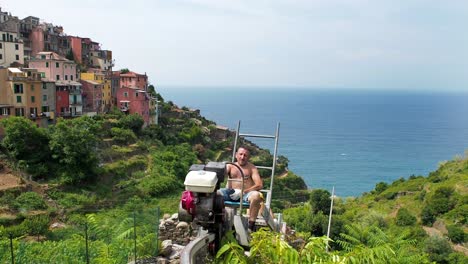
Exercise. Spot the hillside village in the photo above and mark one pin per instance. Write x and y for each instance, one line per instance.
(46, 73)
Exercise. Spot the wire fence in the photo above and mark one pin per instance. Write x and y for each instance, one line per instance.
(91, 238)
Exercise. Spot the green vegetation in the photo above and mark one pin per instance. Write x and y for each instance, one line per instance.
(98, 178)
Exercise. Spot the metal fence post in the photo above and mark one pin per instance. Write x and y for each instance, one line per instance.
(11, 249)
(86, 241)
(157, 230)
(134, 237)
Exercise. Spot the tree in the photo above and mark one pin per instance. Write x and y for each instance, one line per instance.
(380, 187)
(134, 122)
(73, 143)
(36, 225)
(27, 145)
(320, 201)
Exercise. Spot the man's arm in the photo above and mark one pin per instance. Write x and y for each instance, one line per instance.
(228, 173)
(258, 182)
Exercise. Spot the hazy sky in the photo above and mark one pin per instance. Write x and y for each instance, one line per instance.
(372, 44)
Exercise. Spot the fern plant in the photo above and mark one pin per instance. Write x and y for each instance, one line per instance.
(230, 251)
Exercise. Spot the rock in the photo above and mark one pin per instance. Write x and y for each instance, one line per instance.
(161, 260)
(174, 255)
(57, 225)
(166, 216)
(166, 248)
(175, 217)
(182, 225)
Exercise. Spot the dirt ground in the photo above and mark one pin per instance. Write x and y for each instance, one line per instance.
(8, 180)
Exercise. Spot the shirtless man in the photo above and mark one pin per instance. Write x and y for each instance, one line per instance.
(252, 184)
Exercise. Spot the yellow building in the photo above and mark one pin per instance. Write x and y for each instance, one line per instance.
(20, 92)
(100, 78)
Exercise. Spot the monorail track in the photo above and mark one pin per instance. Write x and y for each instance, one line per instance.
(196, 251)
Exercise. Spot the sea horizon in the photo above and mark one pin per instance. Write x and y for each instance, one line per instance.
(347, 138)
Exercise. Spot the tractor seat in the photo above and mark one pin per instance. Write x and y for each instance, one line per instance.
(236, 204)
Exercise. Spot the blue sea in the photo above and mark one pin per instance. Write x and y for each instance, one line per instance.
(349, 139)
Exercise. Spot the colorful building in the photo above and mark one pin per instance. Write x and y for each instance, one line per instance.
(11, 49)
(92, 96)
(20, 93)
(132, 95)
(64, 73)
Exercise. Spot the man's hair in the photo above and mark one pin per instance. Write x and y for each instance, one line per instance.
(243, 147)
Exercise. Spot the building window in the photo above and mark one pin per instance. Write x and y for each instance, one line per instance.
(57, 65)
(19, 111)
(5, 111)
(33, 99)
(18, 88)
(44, 86)
(57, 77)
(17, 57)
(66, 77)
(136, 94)
(33, 112)
(125, 94)
(43, 57)
(18, 98)
(71, 77)
(1, 45)
(1, 56)
(45, 109)
(16, 47)
(32, 87)
(44, 97)
(47, 65)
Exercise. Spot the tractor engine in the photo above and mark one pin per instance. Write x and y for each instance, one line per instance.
(200, 202)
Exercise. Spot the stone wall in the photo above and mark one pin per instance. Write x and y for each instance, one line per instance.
(179, 232)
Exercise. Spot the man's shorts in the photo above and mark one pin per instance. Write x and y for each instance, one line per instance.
(227, 192)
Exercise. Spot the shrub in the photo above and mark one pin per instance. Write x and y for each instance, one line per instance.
(456, 234)
(405, 218)
(29, 201)
(438, 249)
(134, 122)
(320, 201)
(157, 185)
(459, 214)
(36, 225)
(428, 216)
(380, 187)
(122, 135)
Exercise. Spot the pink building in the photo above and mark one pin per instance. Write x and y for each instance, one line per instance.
(37, 40)
(133, 79)
(132, 100)
(92, 96)
(132, 95)
(75, 43)
(64, 73)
